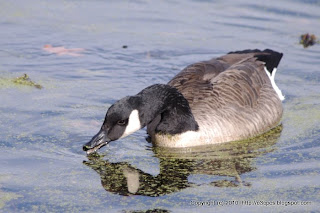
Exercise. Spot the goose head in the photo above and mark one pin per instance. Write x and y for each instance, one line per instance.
(121, 119)
(161, 107)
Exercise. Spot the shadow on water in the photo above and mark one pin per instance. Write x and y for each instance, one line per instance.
(226, 161)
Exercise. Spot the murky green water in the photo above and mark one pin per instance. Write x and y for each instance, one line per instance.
(43, 167)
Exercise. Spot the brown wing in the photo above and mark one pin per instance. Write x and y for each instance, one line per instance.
(233, 78)
(194, 82)
(232, 92)
(241, 84)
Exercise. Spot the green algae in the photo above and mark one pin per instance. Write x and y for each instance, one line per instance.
(6, 197)
(8, 82)
(226, 161)
(250, 147)
(25, 80)
(302, 117)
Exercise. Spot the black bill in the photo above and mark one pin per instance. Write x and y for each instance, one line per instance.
(98, 141)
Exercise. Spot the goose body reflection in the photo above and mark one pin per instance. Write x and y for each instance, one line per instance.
(226, 162)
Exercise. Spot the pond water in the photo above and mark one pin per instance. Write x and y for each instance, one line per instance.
(43, 167)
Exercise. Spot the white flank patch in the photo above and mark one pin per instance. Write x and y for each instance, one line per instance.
(133, 124)
(273, 83)
(185, 139)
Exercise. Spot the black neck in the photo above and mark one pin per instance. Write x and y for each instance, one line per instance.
(165, 109)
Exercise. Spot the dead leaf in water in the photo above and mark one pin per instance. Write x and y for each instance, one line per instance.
(308, 40)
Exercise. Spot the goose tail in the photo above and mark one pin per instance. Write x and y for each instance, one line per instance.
(271, 60)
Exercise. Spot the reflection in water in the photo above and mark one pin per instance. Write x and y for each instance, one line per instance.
(228, 160)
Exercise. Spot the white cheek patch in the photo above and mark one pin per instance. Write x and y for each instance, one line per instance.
(133, 124)
(273, 83)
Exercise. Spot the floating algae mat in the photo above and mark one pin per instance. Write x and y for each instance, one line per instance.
(25, 80)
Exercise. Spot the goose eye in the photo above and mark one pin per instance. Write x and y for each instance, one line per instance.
(121, 122)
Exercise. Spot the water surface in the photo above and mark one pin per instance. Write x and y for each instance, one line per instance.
(43, 167)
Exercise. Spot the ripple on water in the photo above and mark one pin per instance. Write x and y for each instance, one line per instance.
(42, 131)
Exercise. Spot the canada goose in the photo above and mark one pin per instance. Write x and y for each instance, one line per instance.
(233, 97)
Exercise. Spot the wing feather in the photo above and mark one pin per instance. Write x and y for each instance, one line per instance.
(232, 93)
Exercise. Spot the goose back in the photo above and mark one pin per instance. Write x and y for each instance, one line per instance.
(231, 97)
